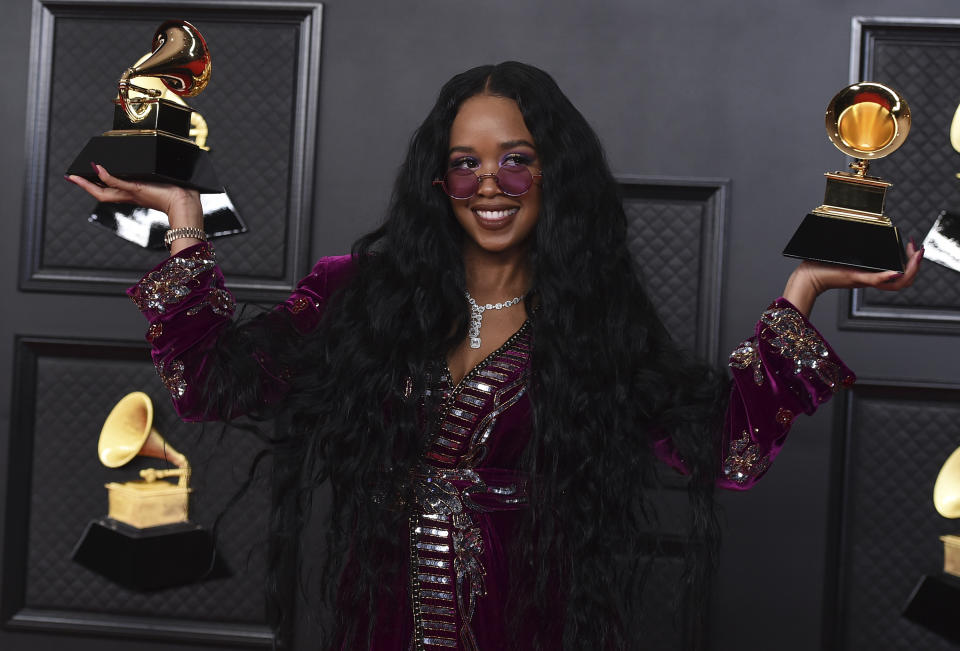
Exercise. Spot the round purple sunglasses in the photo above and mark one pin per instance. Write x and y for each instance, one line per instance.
(463, 183)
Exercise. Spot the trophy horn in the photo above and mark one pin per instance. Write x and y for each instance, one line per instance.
(946, 490)
(180, 59)
(128, 432)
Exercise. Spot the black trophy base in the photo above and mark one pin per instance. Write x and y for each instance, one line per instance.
(148, 157)
(146, 227)
(850, 243)
(149, 559)
(935, 604)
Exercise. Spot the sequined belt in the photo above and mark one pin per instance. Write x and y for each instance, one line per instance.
(451, 491)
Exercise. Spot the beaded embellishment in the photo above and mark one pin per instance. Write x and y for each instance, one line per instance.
(797, 341)
(220, 301)
(171, 283)
(746, 356)
(172, 377)
(744, 461)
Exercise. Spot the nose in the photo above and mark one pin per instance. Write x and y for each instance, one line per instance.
(488, 185)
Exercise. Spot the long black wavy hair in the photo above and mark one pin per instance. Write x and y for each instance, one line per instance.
(605, 378)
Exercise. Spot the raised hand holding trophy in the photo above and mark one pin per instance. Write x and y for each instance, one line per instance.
(866, 121)
(151, 136)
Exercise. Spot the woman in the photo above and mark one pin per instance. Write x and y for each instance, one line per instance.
(485, 385)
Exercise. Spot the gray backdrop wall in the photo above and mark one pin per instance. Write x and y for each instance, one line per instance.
(701, 90)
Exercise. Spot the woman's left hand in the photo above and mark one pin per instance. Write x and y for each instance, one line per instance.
(810, 279)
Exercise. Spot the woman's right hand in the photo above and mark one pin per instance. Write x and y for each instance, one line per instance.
(181, 205)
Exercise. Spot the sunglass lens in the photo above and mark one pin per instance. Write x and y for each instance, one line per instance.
(514, 180)
(460, 183)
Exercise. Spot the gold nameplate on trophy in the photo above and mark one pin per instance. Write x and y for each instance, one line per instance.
(150, 501)
(867, 121)
(151, 136)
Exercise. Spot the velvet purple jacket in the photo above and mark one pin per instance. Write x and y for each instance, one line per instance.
(469, 490)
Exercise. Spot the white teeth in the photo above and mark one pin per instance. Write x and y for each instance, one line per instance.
(496, 214)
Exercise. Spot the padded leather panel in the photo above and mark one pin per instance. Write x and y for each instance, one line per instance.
(73, 396)
(897, 442)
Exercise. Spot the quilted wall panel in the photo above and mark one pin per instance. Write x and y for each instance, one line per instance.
(675, 232)
(260, 120)
(896, 440)
(920, 60)
(75, 384)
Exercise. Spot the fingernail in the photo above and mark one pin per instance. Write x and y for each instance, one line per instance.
(913, 243)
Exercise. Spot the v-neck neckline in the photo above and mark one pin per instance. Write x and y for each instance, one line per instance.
(479, 366)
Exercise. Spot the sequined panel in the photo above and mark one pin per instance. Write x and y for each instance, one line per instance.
(174, 280)
(503, 398)
(745, 356)
(482, 387)
(462, 414)
(797, 341)
(299, 304)
(443, 626)
(446, 545)
(431, 582)
(220, 302)
(172, 376)
(447, 580)
(154, 332)
(784, 416)
(744, 461)
(494, 375)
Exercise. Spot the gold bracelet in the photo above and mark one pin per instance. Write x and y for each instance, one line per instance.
(177, 233)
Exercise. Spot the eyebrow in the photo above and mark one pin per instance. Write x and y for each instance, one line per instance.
(510, 144)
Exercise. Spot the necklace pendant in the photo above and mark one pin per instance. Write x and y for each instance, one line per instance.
(474, 342)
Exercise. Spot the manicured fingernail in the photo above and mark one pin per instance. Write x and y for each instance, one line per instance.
(95, 167)
(913, 243)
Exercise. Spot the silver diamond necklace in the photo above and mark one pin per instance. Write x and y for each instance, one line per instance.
(476, 315)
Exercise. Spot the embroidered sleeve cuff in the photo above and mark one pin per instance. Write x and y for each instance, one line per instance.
(788, 350)
(785, 368)
(173, 281)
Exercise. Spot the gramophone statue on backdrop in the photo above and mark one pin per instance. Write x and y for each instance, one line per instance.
(935, 600)
(157, 137)
(146, 541)
(867, 121)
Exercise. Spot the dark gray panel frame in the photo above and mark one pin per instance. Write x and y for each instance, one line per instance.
(857, 312)
(895, 575)
(15, 611)
(293, 230)
(710, 198)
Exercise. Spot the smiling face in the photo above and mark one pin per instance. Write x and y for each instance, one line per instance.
(487, 134)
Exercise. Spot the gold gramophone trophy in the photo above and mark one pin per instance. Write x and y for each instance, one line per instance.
(866, 121)
(146, 226)
(151, 136)
(935, 600)
(146, 542)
